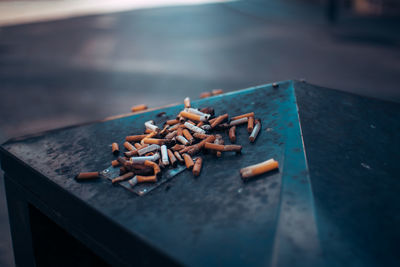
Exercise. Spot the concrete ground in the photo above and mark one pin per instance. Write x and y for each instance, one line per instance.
(80, 69)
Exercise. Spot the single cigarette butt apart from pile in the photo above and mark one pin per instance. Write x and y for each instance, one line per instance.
(259, 168)
(180, 141)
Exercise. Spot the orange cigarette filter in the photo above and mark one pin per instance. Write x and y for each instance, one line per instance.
(138, 108)
(259, 168)
(115, 148)
(232, 134)
(171, 157)
(247, 115)
(147, 131)
(137, 146)
(205, 94)
(186, 102)
(154, 141)
(200, 135)
(217, 91)
(87, 175)
(215, 147)
(129, 146)
(179, 157)
(179, 131)
(135, 138)
(177, 147)
(187, 135)
(188, 161)
(191, 116)
(154, 165)
(200, 124)
(219, 119)
(146, 179)
(250, 124)
(172, 122)
(122, 177)
(115, 163)
(197, 166)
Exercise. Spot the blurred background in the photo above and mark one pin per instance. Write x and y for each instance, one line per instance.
(65, 62)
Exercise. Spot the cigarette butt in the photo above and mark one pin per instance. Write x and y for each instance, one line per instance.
(197, 166)
(250, 124)
(141, 160)
(194, 128)
(198, 112)
(218, 120)
(164, 155)
(206, 127)
(200, 124)
(172, 122)
(182, 139)
(208, 110)
(171, 135)
(259, 168)
(188, 161)
(217, 91)
(148, 149)
(129, 146)
(123, 177)
(247, 115)
(154, 141)
(193, 117)
(234, 148)
(150, 135)
(200, 135)
(174, 127)
(197, 147)
(205, 94)
(219, 141)
(179, 131)
(186, 102)
(87, 175)
(187, 135)
(232, 134)
(150, 125)
(177, 147)
(135, 138)
(238, 121)
(214, 147)
(223, 148)
(142, 179)
(138, 108)
(138, 146)
(132, 153)
(115, 148)
(153, 165)
(148, 131)
(164, 130)
(172, 158)
(146, 179)
(122, 161)
(115, 163)
(255, 131)
(179, 157)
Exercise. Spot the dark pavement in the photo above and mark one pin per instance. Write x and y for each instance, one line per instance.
(70, 71)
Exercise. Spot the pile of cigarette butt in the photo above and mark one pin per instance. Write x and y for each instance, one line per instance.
(192, 132)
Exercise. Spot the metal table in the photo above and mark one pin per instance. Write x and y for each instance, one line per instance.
(333, 202)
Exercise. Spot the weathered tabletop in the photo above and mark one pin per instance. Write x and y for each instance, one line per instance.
(338, 206)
